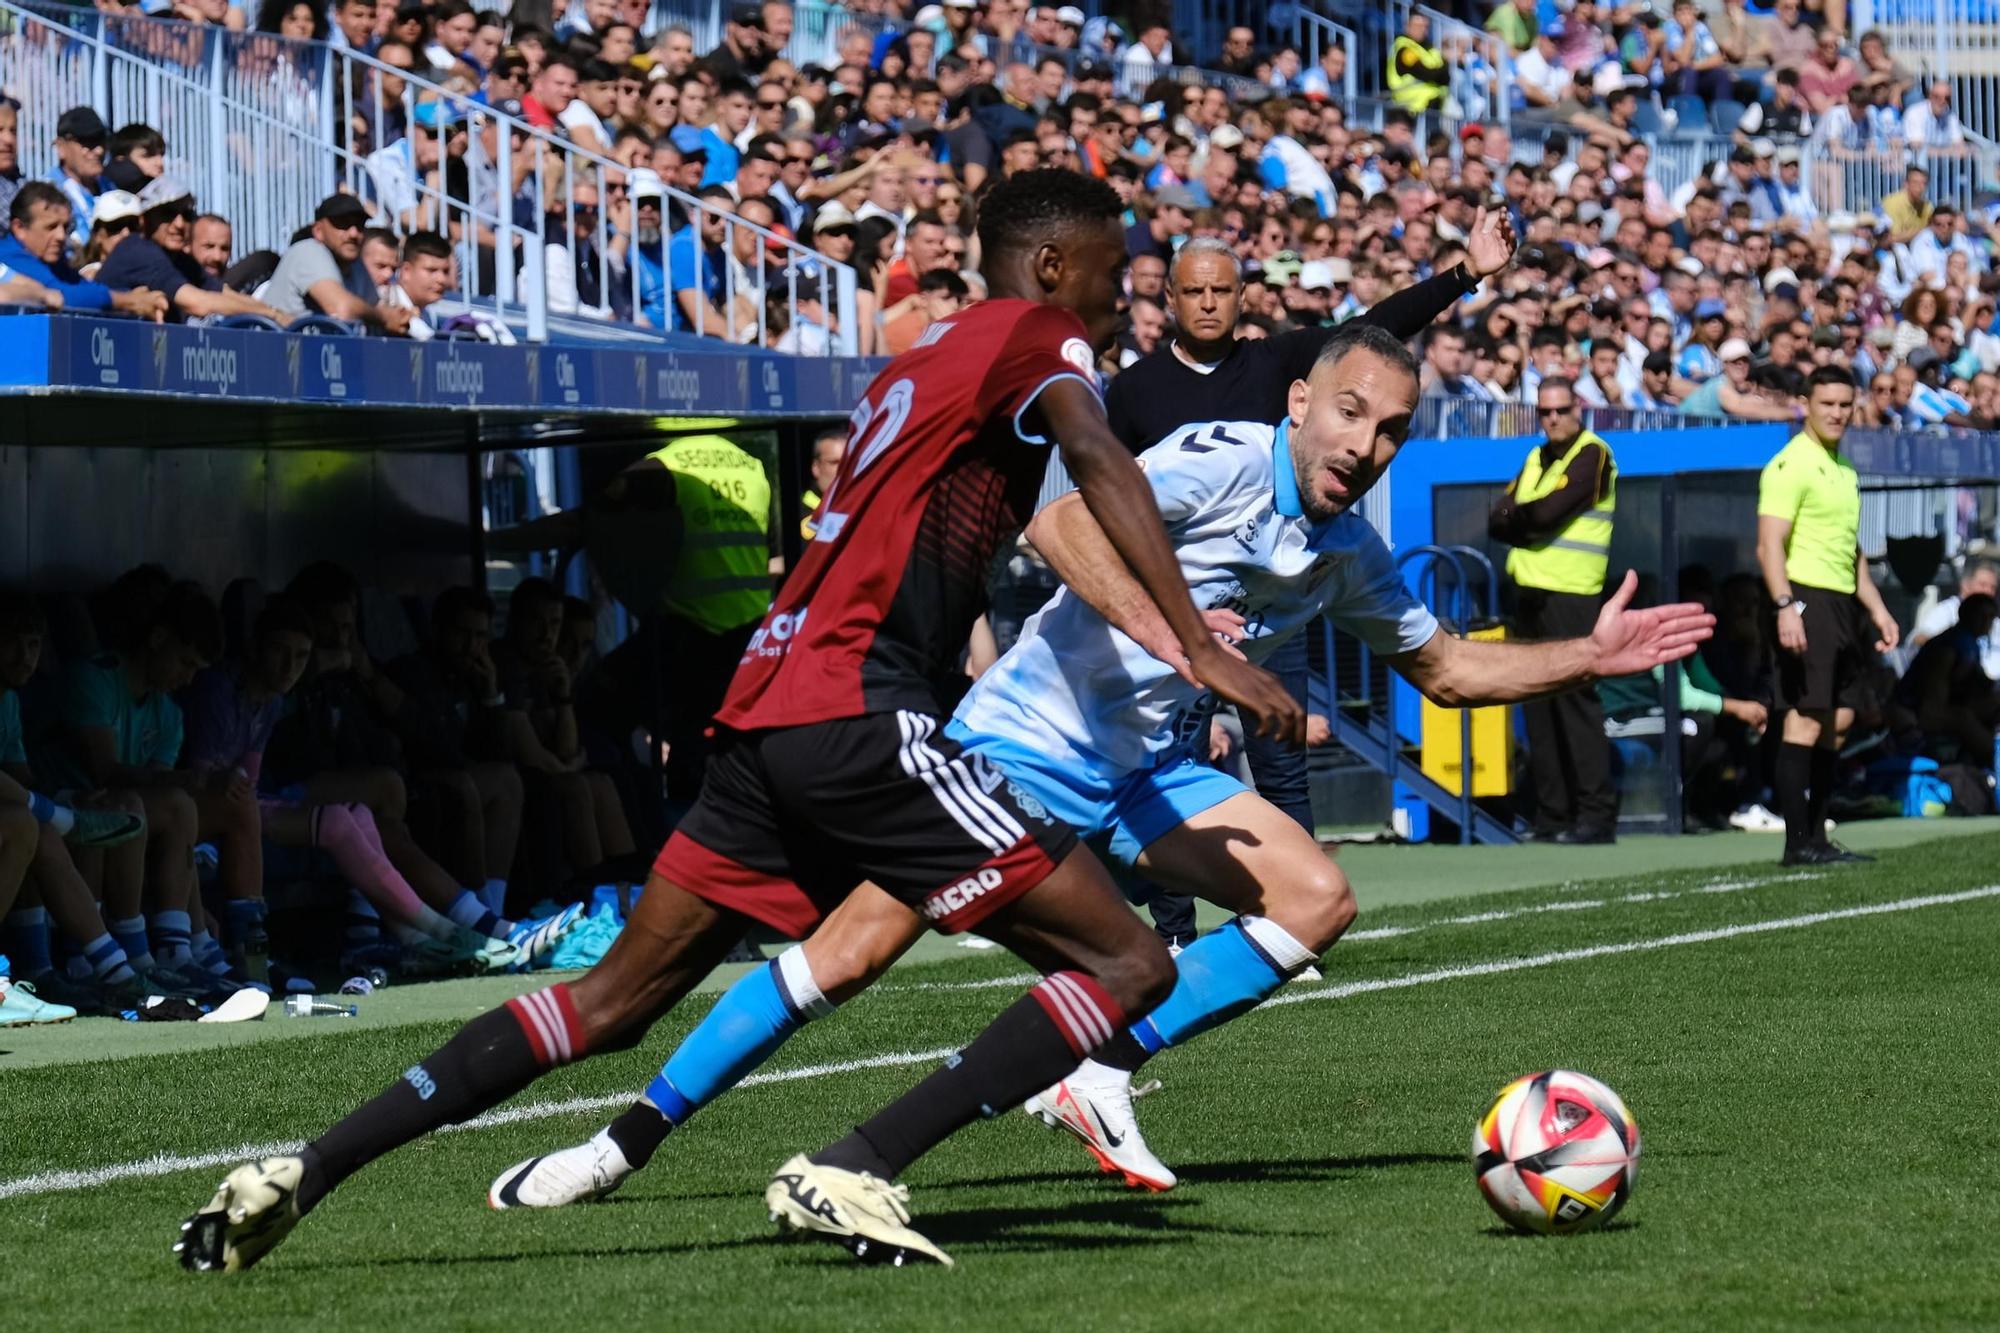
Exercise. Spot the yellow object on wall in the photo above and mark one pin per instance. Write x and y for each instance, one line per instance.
(1492, 741)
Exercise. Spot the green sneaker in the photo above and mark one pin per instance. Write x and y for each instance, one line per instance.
(20, 1007)
(104, 828)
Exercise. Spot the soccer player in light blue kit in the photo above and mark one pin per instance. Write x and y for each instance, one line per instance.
(1091, 717)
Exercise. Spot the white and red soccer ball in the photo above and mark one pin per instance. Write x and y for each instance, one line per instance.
(1556, 1153)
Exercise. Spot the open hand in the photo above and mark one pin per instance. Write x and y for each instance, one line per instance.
(1489, 245)
(1629, 642)
(1258, 695)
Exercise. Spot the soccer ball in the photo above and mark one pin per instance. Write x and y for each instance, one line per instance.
(1556, 1153)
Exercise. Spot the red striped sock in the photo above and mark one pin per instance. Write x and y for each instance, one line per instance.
(1082, 1010)
(548, 1017)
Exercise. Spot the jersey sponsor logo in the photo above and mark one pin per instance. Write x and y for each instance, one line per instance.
(1025, 799)
(830, 526)
(774, 636)
(956, 897)
(1247, 534)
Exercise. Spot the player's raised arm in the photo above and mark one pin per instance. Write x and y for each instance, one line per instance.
(1118, 498)
(1458, 673)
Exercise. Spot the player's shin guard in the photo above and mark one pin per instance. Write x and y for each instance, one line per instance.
(1034, 1042)
(746, 1026)
(1226, 972)
(493, 1057)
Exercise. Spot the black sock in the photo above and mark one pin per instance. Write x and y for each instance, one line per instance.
(1025, 1050)
(639, 1131)
(493, 1057)
(1825, 766)
(1790, 779)
(1122, 1052)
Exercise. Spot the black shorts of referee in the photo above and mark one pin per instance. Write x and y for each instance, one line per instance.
(1828, 674)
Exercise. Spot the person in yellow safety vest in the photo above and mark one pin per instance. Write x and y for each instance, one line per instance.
(1557, 515)
(829, 447)
(718, 592)
(1418, 78)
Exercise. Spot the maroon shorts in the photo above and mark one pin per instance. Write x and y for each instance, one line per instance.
(791, 819)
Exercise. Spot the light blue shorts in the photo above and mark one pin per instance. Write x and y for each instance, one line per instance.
(1119, 815)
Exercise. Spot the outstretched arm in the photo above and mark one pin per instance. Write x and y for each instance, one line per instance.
(1458, 673)
(1118, 499)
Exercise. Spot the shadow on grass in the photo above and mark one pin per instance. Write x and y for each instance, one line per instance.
(1298, 1170)
(520, 1255)
(1509, 1233)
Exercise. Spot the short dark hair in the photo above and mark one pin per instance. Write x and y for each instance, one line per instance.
(30, 194)
(190, 615)
(928, 218)
(323, 583)
(944, 280)
(530, 593)
(1027, 209)
(136, 135)
(1824, 376)
(1358, 337)
(425, 243)
(596, 71)
(731, 87)
(282, 615)
(1562, 382)
(770, 147)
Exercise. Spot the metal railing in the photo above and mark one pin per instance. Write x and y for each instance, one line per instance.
(263, 128)
(1313, 34)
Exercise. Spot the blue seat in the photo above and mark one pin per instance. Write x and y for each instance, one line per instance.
(262, 323)
(324, 324)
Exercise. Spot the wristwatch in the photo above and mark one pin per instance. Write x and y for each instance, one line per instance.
(1791, 603)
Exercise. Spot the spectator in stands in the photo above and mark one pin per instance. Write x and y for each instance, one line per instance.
(695, 274)
(553, 90)
(732, 108)
(38, 227)
(158, 259)
(79, 173)
(105, 977)
(540, 730)
(1444, 369)
(354, 26)
(117, 216)
(1879, 66)
(134, 155)
(1981, 577)
(586, 118)
(369, 276)
(573, 272)
(422, 279)
(1691, 58)
(1418, 77)
(940, 293)
(122, 730)
(1947, 691)
(1785, 116)
(1789, 40)
(1931, 126)
(211, 243)
(310, 274)
(409, 174)
(10, 150)
(450, 723)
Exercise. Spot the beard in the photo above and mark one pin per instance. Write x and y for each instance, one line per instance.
(649, 235)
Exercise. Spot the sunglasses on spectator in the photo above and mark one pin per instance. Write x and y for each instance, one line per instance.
(1554, 411)
(926, 180)
(770, 103)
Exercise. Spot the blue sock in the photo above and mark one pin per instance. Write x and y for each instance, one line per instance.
(173, 932)
(28, 939)
(208, 955)
(1226, 972)
(749, 1023)
(46, 811)
(245, 917)
(130, 932)
(107, 961)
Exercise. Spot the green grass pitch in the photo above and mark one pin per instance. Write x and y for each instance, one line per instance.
(1811, 1058)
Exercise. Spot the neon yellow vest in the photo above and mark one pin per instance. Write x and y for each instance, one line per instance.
(722, 579)
(1413, 94)
(1575, 559)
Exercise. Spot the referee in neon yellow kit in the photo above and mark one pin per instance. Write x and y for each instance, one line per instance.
(1808, 547)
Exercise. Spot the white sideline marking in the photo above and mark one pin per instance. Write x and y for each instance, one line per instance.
(162, 1164)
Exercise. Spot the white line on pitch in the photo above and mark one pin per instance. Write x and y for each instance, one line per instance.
(162, 1164)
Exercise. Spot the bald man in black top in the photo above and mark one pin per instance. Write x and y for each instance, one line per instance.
(1205, 374)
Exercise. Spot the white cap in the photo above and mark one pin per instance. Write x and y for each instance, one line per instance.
(1691, 266)
(113, 205)
(163, 190)
(928, 16)
(1778, 277)
(1316, 275)
(1734, 349)
(1071, 15)
(831, 214)
(645, 183)
(1225, 136)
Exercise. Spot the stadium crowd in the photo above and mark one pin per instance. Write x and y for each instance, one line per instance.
(1710, 299)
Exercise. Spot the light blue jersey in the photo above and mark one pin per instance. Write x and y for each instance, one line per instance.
(1100, 730)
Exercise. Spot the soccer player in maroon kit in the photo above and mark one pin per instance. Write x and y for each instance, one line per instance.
(830, 766)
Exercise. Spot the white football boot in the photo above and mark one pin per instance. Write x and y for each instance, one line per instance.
(1095, 1104)
(590, 1170)
(254, 1208)
(866, 1216)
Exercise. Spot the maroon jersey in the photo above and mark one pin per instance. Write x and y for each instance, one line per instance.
(940, 466)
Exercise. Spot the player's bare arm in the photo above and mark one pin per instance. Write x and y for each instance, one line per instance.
(1458, 673)
(1115, 490)
(1772, 535)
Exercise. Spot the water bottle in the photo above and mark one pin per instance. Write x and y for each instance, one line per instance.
(311, 1006)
